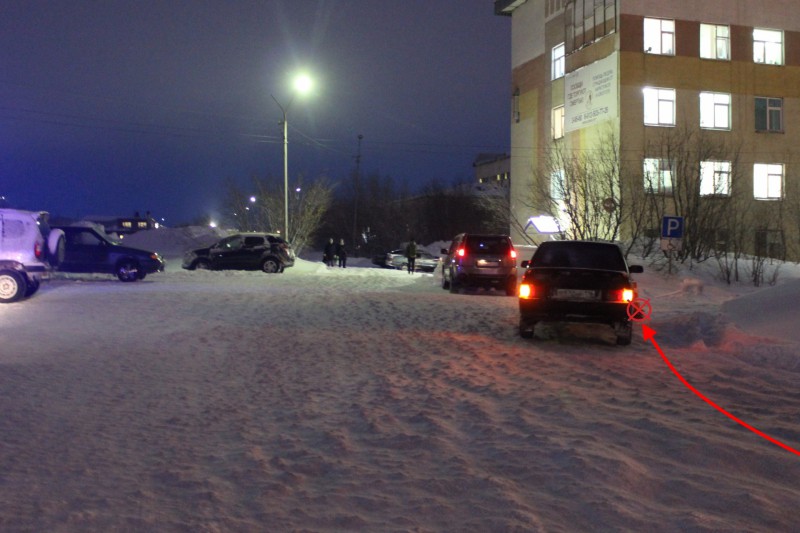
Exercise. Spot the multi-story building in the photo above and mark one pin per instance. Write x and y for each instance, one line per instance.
(627, 110)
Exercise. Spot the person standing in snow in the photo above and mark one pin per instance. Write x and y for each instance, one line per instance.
(411, 255)
(329, 255)
(341, 253)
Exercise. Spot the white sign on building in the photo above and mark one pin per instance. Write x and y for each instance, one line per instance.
(590, 94)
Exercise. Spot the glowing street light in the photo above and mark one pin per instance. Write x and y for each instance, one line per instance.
(302, 84)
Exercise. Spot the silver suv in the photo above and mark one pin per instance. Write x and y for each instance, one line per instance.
(28, 249)
(480, 261)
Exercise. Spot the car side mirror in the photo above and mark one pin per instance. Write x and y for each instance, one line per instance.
(636, 269)
(525, 263)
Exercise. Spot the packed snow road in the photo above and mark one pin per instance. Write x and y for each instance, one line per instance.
(368, 399)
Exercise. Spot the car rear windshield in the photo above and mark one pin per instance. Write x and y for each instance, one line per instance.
(488, 244)
(599, 257)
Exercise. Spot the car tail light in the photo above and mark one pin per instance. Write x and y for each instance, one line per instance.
(513, 253)
(37, 250)
(462, 252)
(526, 291)
(622, 295)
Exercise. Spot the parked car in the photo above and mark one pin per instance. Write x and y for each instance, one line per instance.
(426, 261)
(488, 261)
(243, 251)
(29, 248)
(88, 249)
(578, 281)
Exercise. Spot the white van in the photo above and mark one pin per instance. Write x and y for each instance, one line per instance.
(28, 249)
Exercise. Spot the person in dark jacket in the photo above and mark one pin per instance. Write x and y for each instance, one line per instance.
(329, 255)
(341, 253)
(411, 255)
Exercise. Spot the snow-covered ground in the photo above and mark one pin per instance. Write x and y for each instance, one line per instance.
(371, 400)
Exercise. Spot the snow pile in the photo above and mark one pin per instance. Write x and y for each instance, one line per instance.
(368, 399)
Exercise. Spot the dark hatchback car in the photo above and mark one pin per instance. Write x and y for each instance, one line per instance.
(474, 260)
(88, 250)
(243, 251)
(578, 281)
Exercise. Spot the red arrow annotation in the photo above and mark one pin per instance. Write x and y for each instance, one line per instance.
(649, 335)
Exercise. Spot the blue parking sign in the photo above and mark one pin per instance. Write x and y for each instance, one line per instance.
(672, 227)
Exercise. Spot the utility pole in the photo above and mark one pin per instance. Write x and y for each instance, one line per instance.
(356, 187)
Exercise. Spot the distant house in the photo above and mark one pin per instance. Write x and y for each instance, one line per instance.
(492, 172)
(124, 225)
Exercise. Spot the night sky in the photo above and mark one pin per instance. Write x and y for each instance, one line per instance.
(110, 107)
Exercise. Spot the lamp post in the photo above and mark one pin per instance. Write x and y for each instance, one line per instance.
(302, 84)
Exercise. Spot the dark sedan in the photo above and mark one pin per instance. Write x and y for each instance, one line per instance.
(89, 250)
(578, 281)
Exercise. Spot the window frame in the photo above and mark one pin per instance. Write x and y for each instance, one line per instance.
(763, 50)
(656, 100)
(557, 123)
(710, 169)
(657, 46)
(767, 114)
(715, 102)
(770, 182)
(664, 186)
(712, 47)
(558, 63)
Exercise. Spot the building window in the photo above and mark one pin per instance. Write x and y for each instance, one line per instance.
(715, 178)
(767, 181)
(557, 185)
(515, 106)
(768, 46)
(769, 243)
(715, 41)
(588, 20)
(715, 111)
(557, 122)
(558, 62)
(657, 176)
(659, 36)
(659, 106)
(769, 114)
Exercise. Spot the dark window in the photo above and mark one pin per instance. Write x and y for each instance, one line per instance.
(769, 114)
(252, 242)
(487, 245)
(578, 255)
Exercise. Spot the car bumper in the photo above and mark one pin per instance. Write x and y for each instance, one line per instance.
(538, 310)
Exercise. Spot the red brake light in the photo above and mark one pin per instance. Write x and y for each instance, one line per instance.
(526, 291)
(37, 250)
(513, 254)
(622, 295)
(461, 252)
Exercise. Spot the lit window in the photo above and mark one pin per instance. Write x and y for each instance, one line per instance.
(715, 41)
(557, 69)
(769, 114)
(768, 46)
(557, 122)
(715, 178)
(767, 181)
(659, 106)
(657, 176)
(715, 111)
(659, 36)
(557, 185)
(127, 224)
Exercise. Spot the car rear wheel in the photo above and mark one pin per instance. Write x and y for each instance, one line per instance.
(453, 285)
(624, 331)
(12, 286)
(445, 283)
(128, 270)
(33, 286)
(202, 264)
(511, 286)
(527, 329)
(270, 266)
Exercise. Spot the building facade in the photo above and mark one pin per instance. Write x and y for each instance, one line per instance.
(628, 110)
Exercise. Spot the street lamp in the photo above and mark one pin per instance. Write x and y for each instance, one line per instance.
(302, 84)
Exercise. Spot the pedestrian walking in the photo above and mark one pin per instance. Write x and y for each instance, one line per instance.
(341, 253)
(411, 255)
(329, 255)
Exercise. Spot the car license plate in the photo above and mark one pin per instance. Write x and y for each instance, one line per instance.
(574, 294)
(487, 264)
